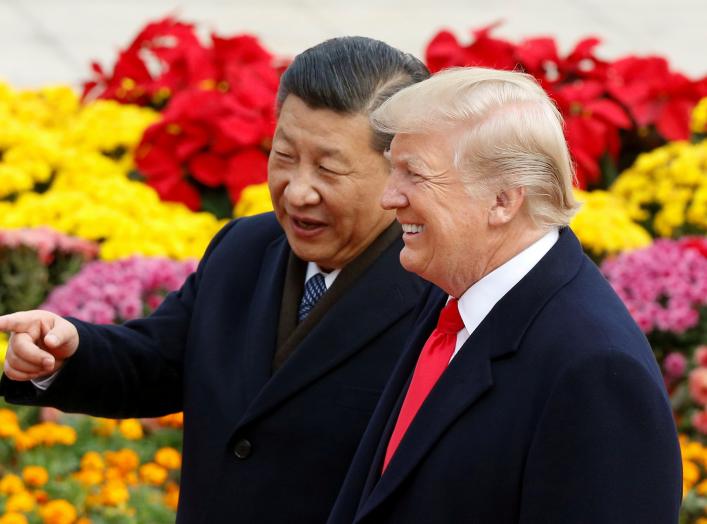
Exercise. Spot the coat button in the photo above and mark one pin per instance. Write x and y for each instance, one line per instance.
(242, 449)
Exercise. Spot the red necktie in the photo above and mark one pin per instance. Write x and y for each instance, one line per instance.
(433, 360)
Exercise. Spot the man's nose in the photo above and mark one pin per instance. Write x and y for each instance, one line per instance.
(392, 197)
(300, 190)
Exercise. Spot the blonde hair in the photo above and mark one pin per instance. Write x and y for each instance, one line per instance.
(509, 134)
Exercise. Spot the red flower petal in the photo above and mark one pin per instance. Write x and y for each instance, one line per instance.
(209, 169)
(609, 111)
(674, 120)
(244, 169)
(177, 190)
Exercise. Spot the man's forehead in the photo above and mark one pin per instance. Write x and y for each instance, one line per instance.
(431, 153)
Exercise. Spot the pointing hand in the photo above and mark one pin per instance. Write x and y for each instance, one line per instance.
(40, 341)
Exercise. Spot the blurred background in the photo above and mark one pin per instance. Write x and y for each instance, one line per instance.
(52, 41)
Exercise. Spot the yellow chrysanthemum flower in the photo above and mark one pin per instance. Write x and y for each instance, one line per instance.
(603, 225)
(83, 153)
(666, 189)
(698, 122)
(254, 199)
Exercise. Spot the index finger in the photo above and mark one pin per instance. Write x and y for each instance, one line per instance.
(18, 322)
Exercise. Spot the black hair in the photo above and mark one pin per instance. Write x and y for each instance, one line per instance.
(352, 74)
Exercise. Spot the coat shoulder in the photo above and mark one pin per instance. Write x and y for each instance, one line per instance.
(587, 320)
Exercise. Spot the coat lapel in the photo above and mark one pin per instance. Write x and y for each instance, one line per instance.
(261, 337)
(397, 387)
(347, 326)
(469, 375)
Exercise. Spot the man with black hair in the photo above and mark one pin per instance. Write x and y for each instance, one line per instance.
(278, 347)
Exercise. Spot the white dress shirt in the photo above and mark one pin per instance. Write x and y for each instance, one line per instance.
(313, 269)
(479, 299)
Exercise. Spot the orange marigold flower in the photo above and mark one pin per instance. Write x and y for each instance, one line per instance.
(9, 426)
(83, 520)
(24, 441)
(65, 435)
(175, 420)
(171, 499)
(168, 458)
(88, 477)
(153, 474)
(701, 488)
(35, 476)
(105, 427)
(11, 484)
(690, 472)
(114, 493)
(21, 502)
(13, 518)
(130, 478)
(125, 460)
(58, 511)
(41, 496)
(92, 460)
(131, 429)
(48, 434)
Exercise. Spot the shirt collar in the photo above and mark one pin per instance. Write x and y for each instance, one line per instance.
(479, 299)
(313, 269)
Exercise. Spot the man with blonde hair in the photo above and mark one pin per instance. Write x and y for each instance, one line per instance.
(527, 393)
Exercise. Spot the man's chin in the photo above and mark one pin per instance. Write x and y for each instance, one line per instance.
(408, 261)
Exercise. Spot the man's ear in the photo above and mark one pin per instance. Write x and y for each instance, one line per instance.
(508, 204)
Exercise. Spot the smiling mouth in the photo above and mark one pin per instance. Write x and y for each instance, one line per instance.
(412, 229)
(307, 225)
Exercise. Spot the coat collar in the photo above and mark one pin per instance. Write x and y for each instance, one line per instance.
(344, 329)
(470, 374)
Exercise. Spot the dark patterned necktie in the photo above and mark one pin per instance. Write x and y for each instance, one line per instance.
(314, 288)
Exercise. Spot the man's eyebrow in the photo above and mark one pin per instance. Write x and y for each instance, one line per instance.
(410, 160)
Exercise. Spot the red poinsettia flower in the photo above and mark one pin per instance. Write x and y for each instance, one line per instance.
(592, 125)
(445, 51)
(205, 134)
(165, 57)
(540, 58)
(655, 95)
(244, 169)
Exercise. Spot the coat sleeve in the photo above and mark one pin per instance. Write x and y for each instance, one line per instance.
(605, 449)
(129, 370)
